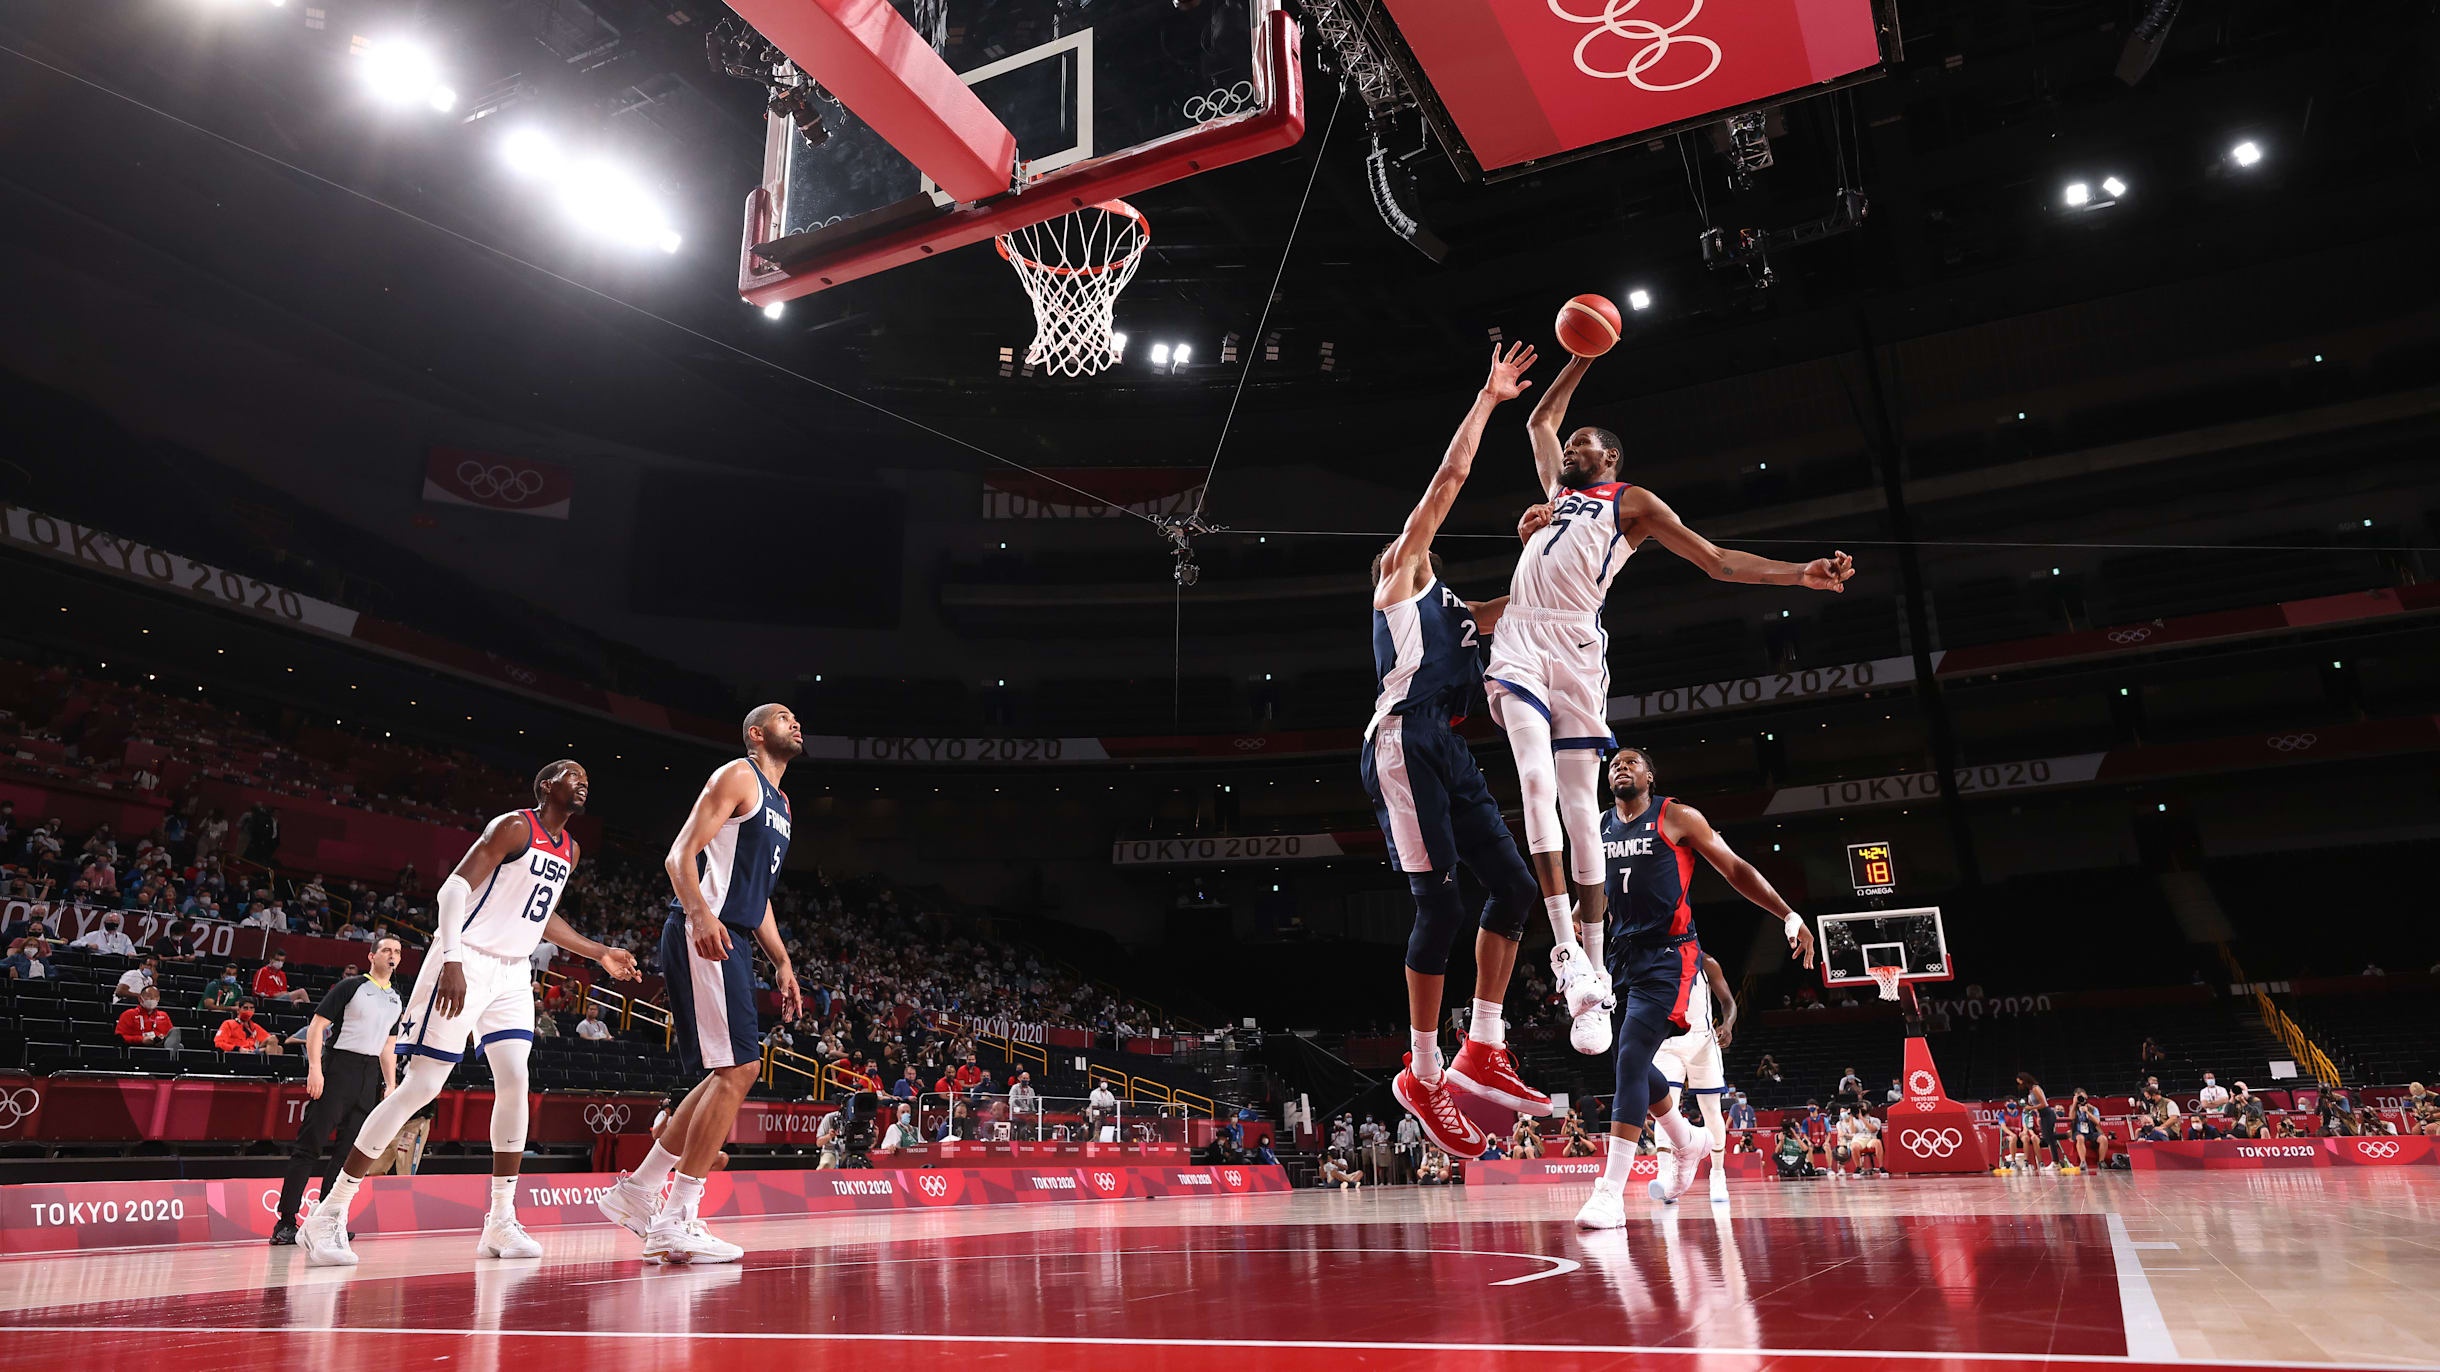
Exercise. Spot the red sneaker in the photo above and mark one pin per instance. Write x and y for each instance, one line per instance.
(1443, 1123)
(1491, 1074)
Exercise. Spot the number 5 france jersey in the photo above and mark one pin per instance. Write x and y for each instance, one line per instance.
(508, 915)
(737, 870)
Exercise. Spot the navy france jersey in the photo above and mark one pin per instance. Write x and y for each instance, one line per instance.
(741, 865)
(1426, 657)
(1647, 878)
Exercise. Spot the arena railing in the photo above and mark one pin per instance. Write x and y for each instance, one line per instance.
(2307, 1053)
(1051, 1119)
(776, 1059)
(625, 1009)
(1009, 1048)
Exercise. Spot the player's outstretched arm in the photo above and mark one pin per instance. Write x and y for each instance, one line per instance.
(1691, 830)
(726, 796)
(1548, 416)
(1506, 382)
(1652, 516)
(504, 839)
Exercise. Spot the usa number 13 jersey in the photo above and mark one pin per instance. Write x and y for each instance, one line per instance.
(508, 915)
(1570, 565)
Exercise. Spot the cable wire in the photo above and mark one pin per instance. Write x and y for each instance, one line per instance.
(1923, 542)
(540, 270)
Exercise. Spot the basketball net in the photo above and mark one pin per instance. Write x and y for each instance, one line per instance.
(1073, 267)
(1887, 979)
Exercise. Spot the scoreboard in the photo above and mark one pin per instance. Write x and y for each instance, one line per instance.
(1872, 868)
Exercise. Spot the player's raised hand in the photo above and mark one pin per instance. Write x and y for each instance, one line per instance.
(1535, 519)
(1829, 573)
(1508, 373)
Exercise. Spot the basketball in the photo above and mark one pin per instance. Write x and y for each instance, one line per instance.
(1588, 325)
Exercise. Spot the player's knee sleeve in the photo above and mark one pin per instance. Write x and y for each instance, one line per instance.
(1579, 787)
(419, 1084)
(1439, 914)
(1537, 779)
(510, 1091)
(1515, 896)
(1715, 1121)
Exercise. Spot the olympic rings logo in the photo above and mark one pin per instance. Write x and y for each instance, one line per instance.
(18, 1106)
(1106, 1181)
(1931, 1143)
(1222, 104)
(2135, 635)
(1232, 1176)
(933, 1184)
(2292, 743)
(1250, 745)
(271, 1197)
(2377, 1148)
(606, 1119)
(506, 484)
(1657, 40)
(1921, 1083)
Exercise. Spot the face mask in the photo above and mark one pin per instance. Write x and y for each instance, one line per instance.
(245, 1014)
(151, 1005)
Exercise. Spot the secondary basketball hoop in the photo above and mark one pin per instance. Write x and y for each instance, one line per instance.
(1073, 267)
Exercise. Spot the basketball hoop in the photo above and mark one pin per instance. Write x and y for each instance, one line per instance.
(1072, 267)
(1887, 979)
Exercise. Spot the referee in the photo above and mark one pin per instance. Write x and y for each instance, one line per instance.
(359, 1021)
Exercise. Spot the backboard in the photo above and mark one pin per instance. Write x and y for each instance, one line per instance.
(1909, 939)
(1105, 98)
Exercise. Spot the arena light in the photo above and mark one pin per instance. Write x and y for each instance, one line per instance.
(2079, 194)
(606, 200)
(1639, 299)
(1160, 354)
(2112, 187)
(2246, 154)
(773, 311)
(531, 152)
(401, 73)
(1184, 353)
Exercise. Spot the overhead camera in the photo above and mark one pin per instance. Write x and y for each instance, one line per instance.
(1752, 248)
(735, 50)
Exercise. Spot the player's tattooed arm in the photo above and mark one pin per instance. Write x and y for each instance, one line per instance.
(1652, 518)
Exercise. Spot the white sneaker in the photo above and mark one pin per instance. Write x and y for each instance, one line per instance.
(1719, 1183)
(1607, 1208)
(324, 1239)
(1689, 1161)
(1664, 1173)
(1584, 985)
(678, 1242)
(505, 1238)
(629, 1206)
(1589, 1033)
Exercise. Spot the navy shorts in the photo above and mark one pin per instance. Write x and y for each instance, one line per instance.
(712, 1002)
(1431, 800)
(1652, 983)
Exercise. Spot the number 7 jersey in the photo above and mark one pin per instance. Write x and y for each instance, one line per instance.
(1569, 565)
(508, 914)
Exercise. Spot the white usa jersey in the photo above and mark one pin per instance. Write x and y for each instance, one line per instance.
(1698, 1007)
(508, 914)
(1569, 566)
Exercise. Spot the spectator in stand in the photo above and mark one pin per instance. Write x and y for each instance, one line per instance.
(144, 976)
(2290, 1129)
(354, 932)
(1896, 1092)
(1526, 1141)
(1768, 1068)
(1434, 1172)
(969, 1076)
(1851, 1089)
(2162, 1121)
(240, 1034)
(29, 961)
(224, 993)
(101, 879)
(1023, 1101)
(1410, 1146)
(826, 1141)
(145, 1024)
(1574, 1142)
(211, 834)
(260, 915)
(591, 1028)
(546, 1026)
(107, 938)
(2244, 1110)
(2092, 1141)
(901, 1133)
(262, 829)
(1496, 1150)
(2153, 1055)
(1101, 1111)
(271, 981)
(1794, 1155)
(2213, 1098)
(2368, 1122)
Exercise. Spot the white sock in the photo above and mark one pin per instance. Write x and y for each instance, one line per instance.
(1486, 1028)
(503, 1198)
(1590, 936)
(1614, 1169)
(1426, 1044)
(341, 1195)
(1675, 1129)
(653, 1172)
(684, 1195)
(1562, 914)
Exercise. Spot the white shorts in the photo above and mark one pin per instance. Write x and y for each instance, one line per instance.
(1557, 662)
(499, 1005)
(1691, 1061)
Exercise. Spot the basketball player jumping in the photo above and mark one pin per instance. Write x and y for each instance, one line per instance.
(1649, 843)
(722, 868)
(1433, 804)
(476, 980)
(1549, 678)
(1690, 1062)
